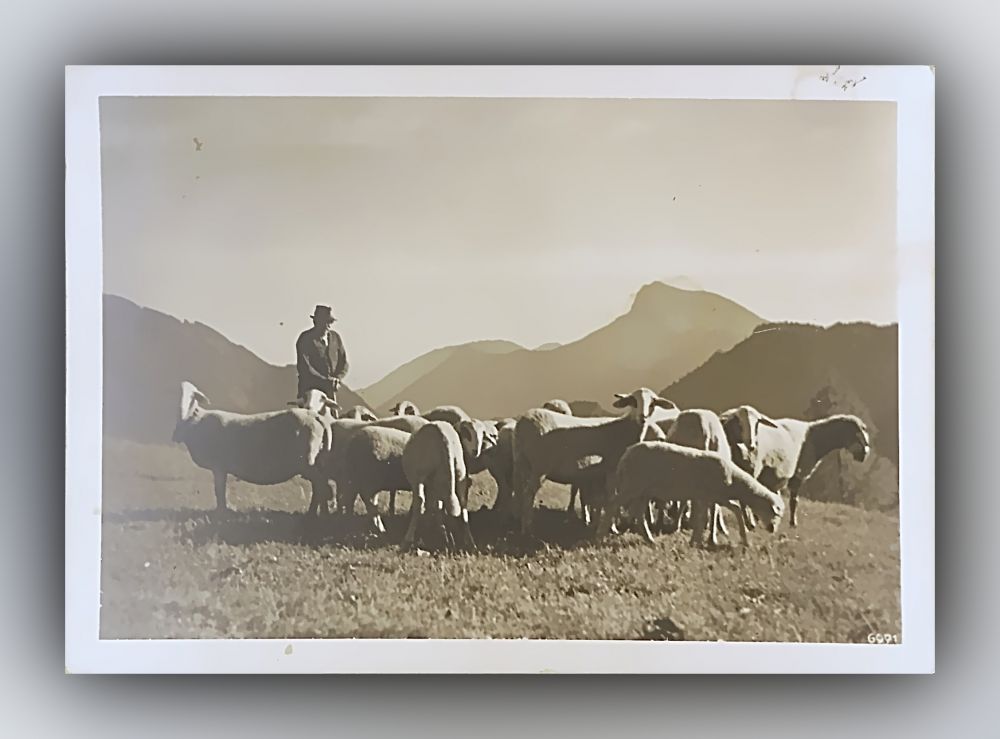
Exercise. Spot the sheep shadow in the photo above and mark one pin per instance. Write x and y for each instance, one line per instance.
(495, 535)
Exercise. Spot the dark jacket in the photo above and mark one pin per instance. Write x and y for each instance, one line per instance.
(319, 365)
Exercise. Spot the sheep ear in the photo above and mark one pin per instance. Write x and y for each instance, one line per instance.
(624, 401)
(762, 419)
(664, 403)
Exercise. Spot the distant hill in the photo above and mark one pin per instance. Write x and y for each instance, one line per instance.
(590, 409)
(146, 356)
(667, 332)
(782, 367)
(405, 375)
(548, 346)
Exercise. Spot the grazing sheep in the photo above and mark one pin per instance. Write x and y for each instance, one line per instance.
(498, 460)
(669, 472)
(699, 429)
(554, 446)
(261, 448)
(787, 450)
(404, 408)
(373, 463)
(435, 464)
(337, 462)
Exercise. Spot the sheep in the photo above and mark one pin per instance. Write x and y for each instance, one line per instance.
(558, 447)
(374, 462)
(404, 408)
(784, 452)
(498, 460)
(669, 472)
(448, 413)
(557, 405)
(262, 448)
(337, 462)
(435, 462)
(699, 429)
(360, 413)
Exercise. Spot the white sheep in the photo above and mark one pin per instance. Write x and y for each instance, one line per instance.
(260, 448)
(699, 429)
(785, 451)
(670, 472)
(448, 413)
(435, 462)
(498, 460)
(373, 463)
(554, 446)
(557, 405)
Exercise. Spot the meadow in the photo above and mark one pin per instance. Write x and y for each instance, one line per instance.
(173, 569)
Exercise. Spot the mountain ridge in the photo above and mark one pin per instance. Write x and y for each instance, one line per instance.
(148, 353)
(664, 334)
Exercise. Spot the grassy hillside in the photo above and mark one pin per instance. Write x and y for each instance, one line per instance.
(171, 570)
(147, 354)
(666, 333)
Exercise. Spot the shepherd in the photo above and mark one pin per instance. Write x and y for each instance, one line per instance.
(320, 356)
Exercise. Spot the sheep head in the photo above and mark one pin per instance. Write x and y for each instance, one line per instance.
(558, 406)
(741, 426)
(641, 402)
(318, 402)
(861, 446)
(474, 437)
(360, 413)
(404, 408)
(190, 399)
(774, 514)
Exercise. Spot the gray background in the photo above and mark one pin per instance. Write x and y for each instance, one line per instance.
(43, 36)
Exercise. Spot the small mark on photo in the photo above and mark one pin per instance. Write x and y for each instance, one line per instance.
(197, 144)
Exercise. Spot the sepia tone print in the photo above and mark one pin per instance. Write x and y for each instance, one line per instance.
(500, 368)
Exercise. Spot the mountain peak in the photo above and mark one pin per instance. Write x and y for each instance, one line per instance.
(655, 294)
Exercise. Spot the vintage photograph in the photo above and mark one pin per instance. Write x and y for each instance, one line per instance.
(453, 369)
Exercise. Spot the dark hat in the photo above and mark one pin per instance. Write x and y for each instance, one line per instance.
(323, 313)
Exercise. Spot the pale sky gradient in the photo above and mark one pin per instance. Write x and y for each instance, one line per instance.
(429, 222)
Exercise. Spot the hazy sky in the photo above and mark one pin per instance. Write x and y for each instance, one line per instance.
(434, 221)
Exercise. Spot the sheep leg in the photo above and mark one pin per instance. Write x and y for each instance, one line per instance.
(392, 502)
(751, 521)
(321, 494)
(527, 495)
(699, 522)
(372, 508)
(737, 508)
(721, 521)
(639, 512)
(220, 491)
(416, 511)
(574, 492)
(793, 501)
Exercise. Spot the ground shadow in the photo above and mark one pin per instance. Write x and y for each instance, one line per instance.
(494, 534)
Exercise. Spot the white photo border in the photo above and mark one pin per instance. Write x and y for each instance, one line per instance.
(910, 87)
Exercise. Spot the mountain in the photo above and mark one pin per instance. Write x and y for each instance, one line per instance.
(147, 354)
(405, 375)
(666, 333)
(782, 367)
(548, 346)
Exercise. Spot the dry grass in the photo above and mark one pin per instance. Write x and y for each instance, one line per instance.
(172, 570)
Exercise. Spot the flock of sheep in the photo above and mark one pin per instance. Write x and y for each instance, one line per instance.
(656, 465)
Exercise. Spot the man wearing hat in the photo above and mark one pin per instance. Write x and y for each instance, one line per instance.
(320, 356)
